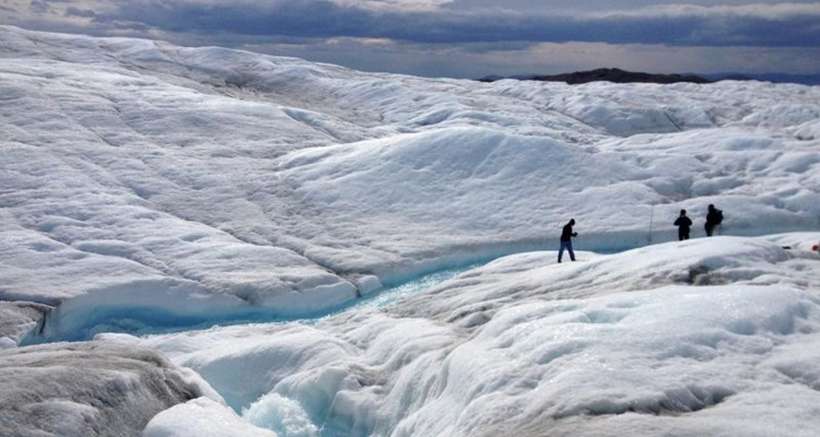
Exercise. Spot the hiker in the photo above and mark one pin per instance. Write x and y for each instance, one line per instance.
(566, 240)
(683, 223)
(713, 219)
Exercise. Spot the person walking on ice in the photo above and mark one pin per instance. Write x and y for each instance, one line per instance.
(566, 240)
(713, 219)
(683, 223)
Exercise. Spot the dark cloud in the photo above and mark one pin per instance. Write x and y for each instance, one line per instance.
(466, 38)
(72, 11)
(39, 7)
(478, 60)
(108, 23)
(762, 25)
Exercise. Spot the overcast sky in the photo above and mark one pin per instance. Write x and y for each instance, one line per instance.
(466, 38)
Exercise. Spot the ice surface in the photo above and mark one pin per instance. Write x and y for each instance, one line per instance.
(296, 186)
(87, 389)
(202, 417)
(17, 319)
(707, 337)
(149, 186)
(279, 413)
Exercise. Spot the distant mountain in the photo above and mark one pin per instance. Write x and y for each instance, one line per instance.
(614, 75)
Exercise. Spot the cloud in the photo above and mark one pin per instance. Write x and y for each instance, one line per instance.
(464, 38)
(475, 60)
(39, 7)
(452, 21)
(784, 24)
(72, 11)
(394, 5)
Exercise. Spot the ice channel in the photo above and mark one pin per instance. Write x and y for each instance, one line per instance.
(74, 321)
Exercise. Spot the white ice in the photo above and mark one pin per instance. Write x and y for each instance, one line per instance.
(17, 319)
(88, 389)
(147, 187)
(202, 417)
(708, 337)
(246, 180)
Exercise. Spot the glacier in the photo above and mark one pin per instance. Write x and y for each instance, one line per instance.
(323, 251)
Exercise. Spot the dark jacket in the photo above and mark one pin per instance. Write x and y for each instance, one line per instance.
(683, 222)
(567, 234)
(714, 217)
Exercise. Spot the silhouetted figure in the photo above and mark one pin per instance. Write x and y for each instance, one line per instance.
(566, 240)
(713, 219)
(683, 223)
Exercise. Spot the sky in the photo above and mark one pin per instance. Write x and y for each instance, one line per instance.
(466, 38)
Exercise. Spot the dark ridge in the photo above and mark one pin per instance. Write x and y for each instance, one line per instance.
(614, 75)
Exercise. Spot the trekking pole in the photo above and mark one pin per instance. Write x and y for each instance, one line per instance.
(651, 223)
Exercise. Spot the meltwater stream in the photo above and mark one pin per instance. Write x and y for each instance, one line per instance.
(144, 321)
(139, 312)
(391, 294)
(275, 410)
(149, 320)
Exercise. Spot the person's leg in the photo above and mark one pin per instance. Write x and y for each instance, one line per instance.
(569, 249)
(686, 235)
(561, 251)
(681, 234)
(708, 228)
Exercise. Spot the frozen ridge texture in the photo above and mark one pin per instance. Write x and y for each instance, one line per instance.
(134, 169)
(88, 389)
(717, 337)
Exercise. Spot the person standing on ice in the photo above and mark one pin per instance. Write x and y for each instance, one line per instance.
(683, 223)
(566, 240)
(713, 219)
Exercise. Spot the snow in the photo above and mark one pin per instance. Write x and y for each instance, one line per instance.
(17, 319)
(297, 186)
(284, 415)
(204, 418)
(705, 337)
(151, 193)
(88, 389)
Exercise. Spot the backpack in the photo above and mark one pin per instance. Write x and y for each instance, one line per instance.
(718, 216)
